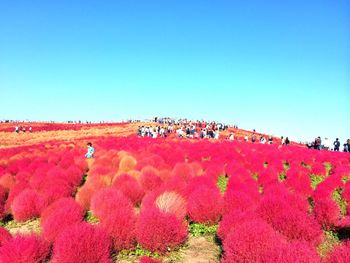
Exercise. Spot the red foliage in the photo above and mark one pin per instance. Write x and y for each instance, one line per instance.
(205, 205)
(295, 251)
(340, 254)
(150, 179)
(82, 243)
(159, 231)
(130, 187)
(107, 201)
(250, 242)
(232, 220)
(26, 205)
(121, 226)
(327, 212)
(5, 236)
(59, 215)
(25, 249)
(3, 196)
(146, 259)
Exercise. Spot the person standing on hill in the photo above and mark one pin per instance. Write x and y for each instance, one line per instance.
(90, 151)
(336, 144)
(286, 142)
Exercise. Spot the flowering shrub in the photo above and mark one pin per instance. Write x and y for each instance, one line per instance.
(25, 249)
(60, 215)
(171, 202)
(107, 201)
(272, 206)
(250, 242)
(82, 243)
(26, 205)
(4, 236)
(340, 254)
(121, 226)
(205, 205)
(159, 231)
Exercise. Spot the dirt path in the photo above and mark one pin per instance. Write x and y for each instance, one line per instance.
(200, 250)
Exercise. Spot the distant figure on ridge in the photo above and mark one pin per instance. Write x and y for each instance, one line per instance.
(336, 144)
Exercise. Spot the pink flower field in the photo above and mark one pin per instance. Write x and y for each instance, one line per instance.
(146, 200)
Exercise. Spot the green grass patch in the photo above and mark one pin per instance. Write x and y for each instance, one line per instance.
(315, 180)
(282, 177)
(328, 167)
(331, 240)
(286, 166)
(346, 178)
(90, 218)
(133, 255)
(255, 176)
(336, 196)
(202, 229)
(222, 183)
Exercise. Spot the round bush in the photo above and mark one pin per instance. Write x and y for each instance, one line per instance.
(82, 243)
(29, 249)
(159, 231)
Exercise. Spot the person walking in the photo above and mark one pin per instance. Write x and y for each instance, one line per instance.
(90, 151)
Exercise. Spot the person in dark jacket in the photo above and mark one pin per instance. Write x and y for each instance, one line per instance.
(336, 144)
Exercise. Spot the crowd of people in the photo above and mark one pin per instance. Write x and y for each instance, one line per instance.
(327, 144)
(183, 128)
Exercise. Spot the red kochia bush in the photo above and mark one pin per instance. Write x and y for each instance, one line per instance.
(205, 205)
(295, 251)
(327, 212)
(150, 179)
(3, 196)
(233, 219)
(26, 205)
(24, 249)
(121, 226)
(146, 259)
(250, 241)
(4, 236)
(82, 243)
(297, 225)
(130, 187)
(59, 215)
(159, 231)
(107, 201)
(340, 254)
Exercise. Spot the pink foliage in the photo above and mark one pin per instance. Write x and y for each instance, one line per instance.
(340, 254)
(121, 226)
(5, 236)
(146, 259)
(250, 242)
(159, 231)
(130, 187)
(107, 201)
(26, 205)
(327, 212)
(29, 249)
(82, 243)
(205, 205)
(60, 215)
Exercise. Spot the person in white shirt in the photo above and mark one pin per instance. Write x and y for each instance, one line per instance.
(216, 136)
(327, 144)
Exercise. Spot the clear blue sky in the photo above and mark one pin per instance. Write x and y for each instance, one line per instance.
(277, 66)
